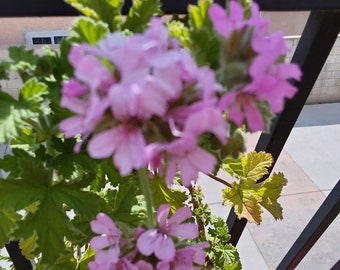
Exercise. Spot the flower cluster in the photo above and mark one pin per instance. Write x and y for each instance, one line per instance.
(250, 60)
(164, 247)
(144, 101)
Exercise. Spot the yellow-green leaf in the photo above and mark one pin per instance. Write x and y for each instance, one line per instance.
(245, 201)
(255, 165)
(28, 245)
(270, 191)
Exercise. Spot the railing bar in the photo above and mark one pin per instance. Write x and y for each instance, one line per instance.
(336, 266)
(34, 8)
(316, 42)
(19, 260)
(325, 215)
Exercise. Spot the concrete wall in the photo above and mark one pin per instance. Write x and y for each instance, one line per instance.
(327, 87)
(13, 29)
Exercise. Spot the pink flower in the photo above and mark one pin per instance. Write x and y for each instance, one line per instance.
(183, 154)
(90, 70)
(109, 238)
(126, 142)
(225, 24)
(186, 257)
(159, 241)
(242, 106)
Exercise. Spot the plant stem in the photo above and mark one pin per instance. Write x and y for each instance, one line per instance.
(219, 180)
(144, 183)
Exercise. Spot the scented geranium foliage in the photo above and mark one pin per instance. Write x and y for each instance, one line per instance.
(111, 132)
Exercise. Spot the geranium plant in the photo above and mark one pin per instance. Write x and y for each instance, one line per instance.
(112, 130)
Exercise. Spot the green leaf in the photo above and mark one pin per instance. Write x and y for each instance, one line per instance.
(127, 204)
(245, 200)
(140, 14)
(8, 220)
(106, 10)
(247, 196)
(24, 61)
(12, 116)
(255, 165)
(31, 95)
(204, 44)
(178, 30)
(270, 191)
(199, 14)
(28, 246)
(88, 30)
(22, 54)
(227, 257)
(162, 194)
(88, 257)
(47, 219)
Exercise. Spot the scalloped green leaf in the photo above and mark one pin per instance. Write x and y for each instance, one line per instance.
(8, 220)
(12, 116)
(245, 200)
(140, 14)
(204, 44)
(162, 194)
(88, 30)
(31, 94)
(270, 191)
(255, 165)
(48, 219)
(246, 195)
(106, 10)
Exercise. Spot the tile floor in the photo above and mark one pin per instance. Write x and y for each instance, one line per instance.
(311, 163)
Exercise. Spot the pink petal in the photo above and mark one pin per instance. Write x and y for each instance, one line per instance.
(207, 120)
(162, 214)
(146, 242)
(72, 126)
(218, 17)
(103, 224)
(130, 152)
(287, 71)
(99, 242)
(165, 248)
(74, 104)
(185, 230)
(202, 160)
(103, 144)
(180, 215)
(254, 117)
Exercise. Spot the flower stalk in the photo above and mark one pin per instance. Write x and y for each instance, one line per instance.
(145, 187)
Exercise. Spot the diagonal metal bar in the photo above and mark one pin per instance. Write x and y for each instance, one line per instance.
(327, 212)
(19, 260)
(336, 266)
(317, 40)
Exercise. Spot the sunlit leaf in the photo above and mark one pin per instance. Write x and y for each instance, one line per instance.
(105, 10)
(140, 14)
(88, 30)
(12, 116)
(163, 194)
(246, 195)
(8, 220)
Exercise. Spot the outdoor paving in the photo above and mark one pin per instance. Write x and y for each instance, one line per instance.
(310, 161)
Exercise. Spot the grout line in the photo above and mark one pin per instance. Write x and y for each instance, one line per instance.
(306, 192)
